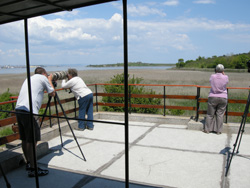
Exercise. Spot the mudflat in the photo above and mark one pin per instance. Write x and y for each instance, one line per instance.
(13, 82)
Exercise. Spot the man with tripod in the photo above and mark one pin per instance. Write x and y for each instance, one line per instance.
(40, 82)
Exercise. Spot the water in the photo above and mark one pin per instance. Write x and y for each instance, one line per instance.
(78, 67)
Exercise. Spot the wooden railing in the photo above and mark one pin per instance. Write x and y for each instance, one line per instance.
(166, 97)
(197, 98)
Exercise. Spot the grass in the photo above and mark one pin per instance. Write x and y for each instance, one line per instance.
(5, 131)
(171, 77)
(233, 94)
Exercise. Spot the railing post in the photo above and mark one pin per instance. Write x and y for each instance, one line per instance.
(12, 104)
(50, 122)
(96, 98)
(226, 109)
(129, 98)
(13, 108)
(164, 100)
(75, 106)
(197, 103)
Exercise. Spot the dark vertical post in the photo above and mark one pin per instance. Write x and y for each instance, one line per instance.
(12, 104)
(30, 95)
(50, 121)
(96, 97)
(125, 43)
(129, 93)
(227, 108)
(13, 109)
(197, 103)
(164, 98)
(75, 106)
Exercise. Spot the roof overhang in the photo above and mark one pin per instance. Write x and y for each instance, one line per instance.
(14, 10)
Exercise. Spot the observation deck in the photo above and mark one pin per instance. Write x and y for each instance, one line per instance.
(163, 152)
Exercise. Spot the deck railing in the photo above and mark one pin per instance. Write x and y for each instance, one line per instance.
(97, 102)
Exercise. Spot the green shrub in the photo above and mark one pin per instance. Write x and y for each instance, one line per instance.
(7, 107)
(176, 112)
(119, 79)
(6, 131)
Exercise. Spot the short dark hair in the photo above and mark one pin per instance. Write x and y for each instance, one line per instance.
(40, 70)
(72, 72)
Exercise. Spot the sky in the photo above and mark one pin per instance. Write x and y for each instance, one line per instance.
(159, 31)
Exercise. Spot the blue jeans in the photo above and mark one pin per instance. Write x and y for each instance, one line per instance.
(86, 107)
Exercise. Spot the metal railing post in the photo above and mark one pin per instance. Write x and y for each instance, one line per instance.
(96, 98)
(197, 103)
(75, 105)
(226, 109)
(129, 98)
(12, 104)
(164, 100)
(50, 121)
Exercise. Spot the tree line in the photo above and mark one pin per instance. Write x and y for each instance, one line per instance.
(238, 61)
(131, 64)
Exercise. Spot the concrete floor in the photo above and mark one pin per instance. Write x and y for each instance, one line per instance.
(161, 155)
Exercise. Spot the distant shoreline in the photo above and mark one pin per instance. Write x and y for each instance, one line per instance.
(134, 64)
(50, 69)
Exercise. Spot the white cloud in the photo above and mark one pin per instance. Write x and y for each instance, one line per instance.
(116, 18)
(176, 34)
(116, 37)
(92, 37)
(171, 2)
(158, 35)
(62, 30)
(75, 33)
(142, 10)
(14, 52)
(204, 2)
(203, 24)
(243, 38)
(1, 52)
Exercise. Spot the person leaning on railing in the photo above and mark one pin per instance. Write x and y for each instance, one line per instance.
(84, 97)
(217, 101)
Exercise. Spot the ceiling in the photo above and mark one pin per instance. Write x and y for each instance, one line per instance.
(14, 10)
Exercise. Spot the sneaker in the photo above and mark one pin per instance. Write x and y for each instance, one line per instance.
(40, 172)
(205, 131)
(79, 129)
(27, 166)
(90, 128)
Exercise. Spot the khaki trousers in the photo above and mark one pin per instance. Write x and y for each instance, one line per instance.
(215, 113)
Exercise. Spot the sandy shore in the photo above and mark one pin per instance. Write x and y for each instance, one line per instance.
(149, 76)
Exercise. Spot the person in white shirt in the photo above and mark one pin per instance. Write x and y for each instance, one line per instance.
(40, 82)
(84, 97)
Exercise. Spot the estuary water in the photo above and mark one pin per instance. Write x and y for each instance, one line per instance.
(78, 67)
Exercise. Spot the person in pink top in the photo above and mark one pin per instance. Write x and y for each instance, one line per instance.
(217, 101)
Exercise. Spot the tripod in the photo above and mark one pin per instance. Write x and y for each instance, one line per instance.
(240, 133)
(56, 99)
(4, 176)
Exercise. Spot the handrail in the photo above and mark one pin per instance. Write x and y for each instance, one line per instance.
(164, 96)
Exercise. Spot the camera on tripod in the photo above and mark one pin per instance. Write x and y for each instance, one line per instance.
(59, 75)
